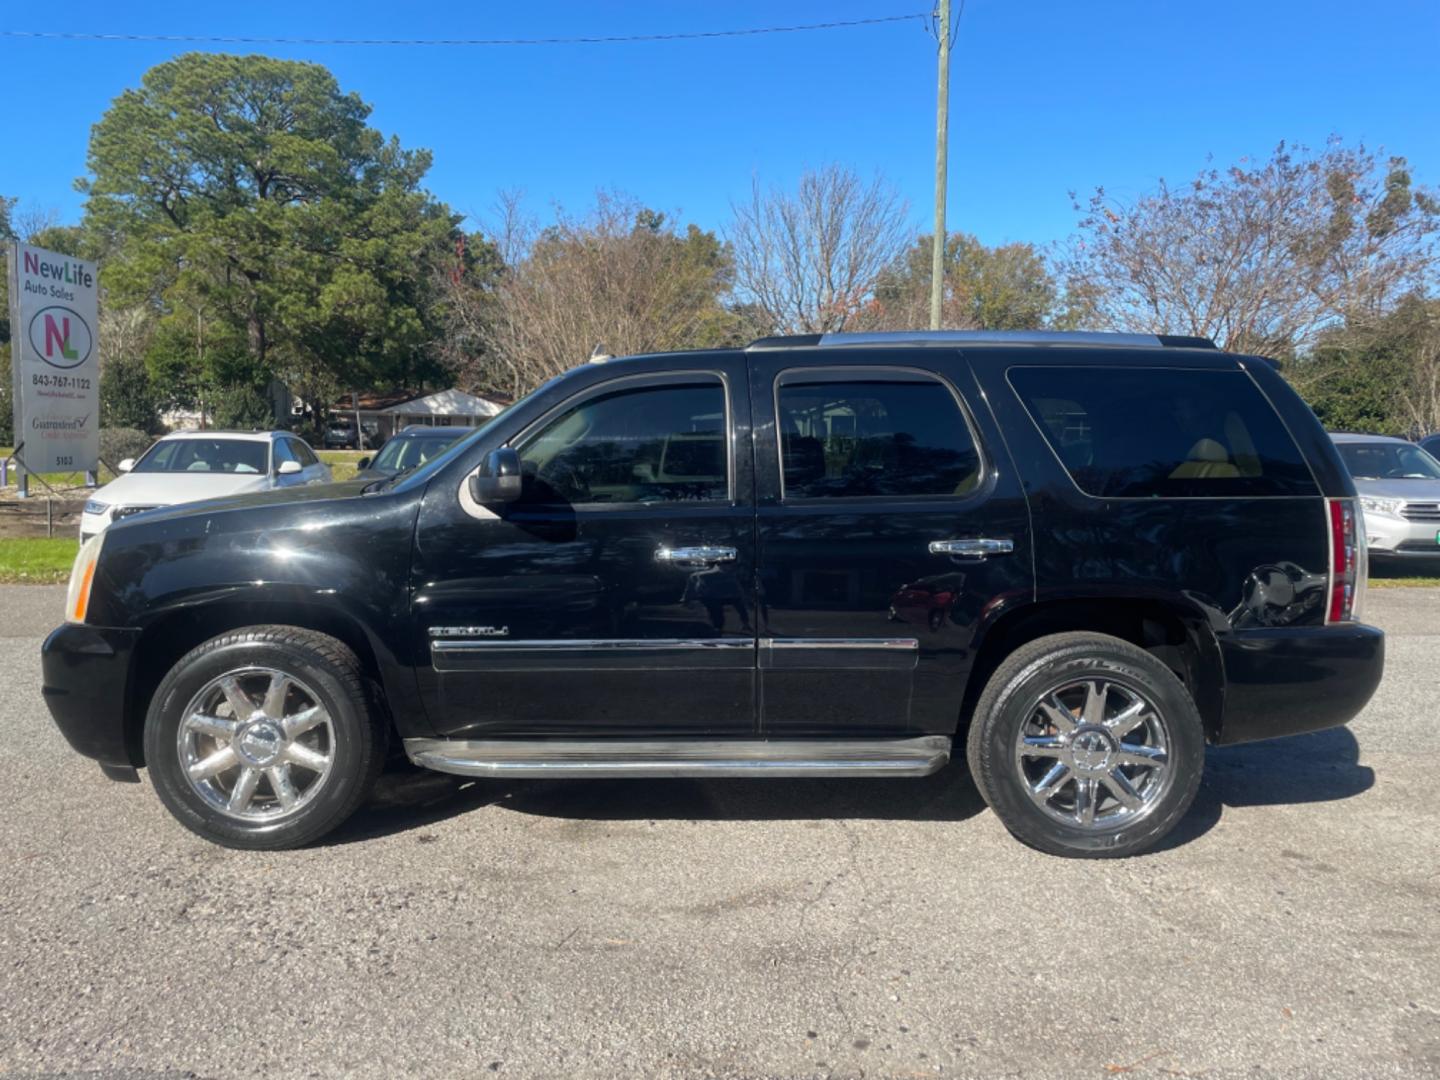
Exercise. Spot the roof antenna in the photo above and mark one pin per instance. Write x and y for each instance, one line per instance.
(598, 355)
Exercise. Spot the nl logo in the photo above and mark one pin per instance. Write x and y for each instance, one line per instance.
(60, 337)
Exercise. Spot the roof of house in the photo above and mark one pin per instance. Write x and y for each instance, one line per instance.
(447, 403)
(1362, 437)
(376, 400)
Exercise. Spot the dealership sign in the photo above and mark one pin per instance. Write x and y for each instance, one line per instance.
(54, 360)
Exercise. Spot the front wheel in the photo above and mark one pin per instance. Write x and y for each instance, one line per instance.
(264, 737)
(1086, 745)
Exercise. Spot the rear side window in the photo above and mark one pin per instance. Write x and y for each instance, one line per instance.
(1164, 434)
(901, 437)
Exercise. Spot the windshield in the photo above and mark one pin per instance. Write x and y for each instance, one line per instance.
(237, 456)
(1389, 461)
(408, 451)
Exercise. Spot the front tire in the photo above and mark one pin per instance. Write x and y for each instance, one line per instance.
(264, 738)
(1086, 746)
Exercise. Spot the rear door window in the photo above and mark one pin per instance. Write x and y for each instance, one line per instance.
(1163, 433)
(883, 436)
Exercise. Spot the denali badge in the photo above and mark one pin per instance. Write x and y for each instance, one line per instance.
(469, 631)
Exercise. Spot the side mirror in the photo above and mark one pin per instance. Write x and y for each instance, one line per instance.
(126, 465)
(498, 480)
(288, 468)
(362, 464)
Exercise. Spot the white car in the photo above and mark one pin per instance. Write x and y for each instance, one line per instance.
(192, 465)
(1399, 486)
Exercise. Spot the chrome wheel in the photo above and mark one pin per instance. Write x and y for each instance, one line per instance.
(256, 744)
(1094, 754)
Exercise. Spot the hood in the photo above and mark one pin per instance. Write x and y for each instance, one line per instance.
(1409, 490)
(257, 500)
(167, 489)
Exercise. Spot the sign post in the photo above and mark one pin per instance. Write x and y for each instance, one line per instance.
(54, 361)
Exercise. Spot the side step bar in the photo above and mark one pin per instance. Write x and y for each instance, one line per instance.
(682, 757)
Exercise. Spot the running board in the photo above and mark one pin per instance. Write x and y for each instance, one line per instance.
(682, 757)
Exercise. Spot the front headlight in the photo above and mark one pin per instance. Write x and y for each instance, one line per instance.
(1382, 506)
(82, 576)
(95, 506)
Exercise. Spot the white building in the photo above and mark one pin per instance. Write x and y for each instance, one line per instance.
(385, 414)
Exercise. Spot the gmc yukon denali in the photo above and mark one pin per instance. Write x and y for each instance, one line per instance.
(1078, 558)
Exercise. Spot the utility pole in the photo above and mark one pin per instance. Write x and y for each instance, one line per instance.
(942, 143)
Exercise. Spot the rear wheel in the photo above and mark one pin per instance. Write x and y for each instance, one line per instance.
(1085, 745)
(264, 737)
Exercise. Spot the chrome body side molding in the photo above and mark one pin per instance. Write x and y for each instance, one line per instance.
(564, 645)
(869, 654)
(917, 756)
(583, 654)
(576, 654)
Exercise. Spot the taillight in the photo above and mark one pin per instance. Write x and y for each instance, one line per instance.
(1347, 561)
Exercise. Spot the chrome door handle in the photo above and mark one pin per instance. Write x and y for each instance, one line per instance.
(695, 556)
(979, 547)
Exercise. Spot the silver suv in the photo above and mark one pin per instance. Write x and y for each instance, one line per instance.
(1399, 486)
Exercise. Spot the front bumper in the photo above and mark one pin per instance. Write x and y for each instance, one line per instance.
(1287, 681)
(90, 524)
(86, 673)
(1387, 536)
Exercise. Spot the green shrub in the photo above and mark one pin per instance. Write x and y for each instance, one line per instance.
(240, 407)
(117, 444)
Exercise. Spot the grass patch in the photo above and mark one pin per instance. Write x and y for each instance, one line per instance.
(1405, 583)
(36, 561)
(343, 463)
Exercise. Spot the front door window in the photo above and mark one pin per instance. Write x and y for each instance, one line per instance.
(653, 444)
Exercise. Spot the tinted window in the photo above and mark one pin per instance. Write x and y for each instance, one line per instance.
(409, 451)
(204, 456)
(650, 444)
(284, 453)
(1389, 461)
(1147, 433)
(856, 438)
(303, 453)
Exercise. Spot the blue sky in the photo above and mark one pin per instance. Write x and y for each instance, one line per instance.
(1046, 96)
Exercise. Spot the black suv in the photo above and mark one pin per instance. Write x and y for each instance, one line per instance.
(1080, 557)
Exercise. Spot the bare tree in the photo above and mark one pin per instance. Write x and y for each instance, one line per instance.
(1008, 287)
(125, 332)
(808, 260)
(1420, 393)
(622, 277)
(1259, 257)
(30, 222)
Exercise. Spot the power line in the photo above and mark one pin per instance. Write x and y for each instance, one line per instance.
(217, 39)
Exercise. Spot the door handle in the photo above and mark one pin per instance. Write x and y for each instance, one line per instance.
(979, 547)
(705, 555)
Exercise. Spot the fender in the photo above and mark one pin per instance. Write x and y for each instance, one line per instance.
(334, 556)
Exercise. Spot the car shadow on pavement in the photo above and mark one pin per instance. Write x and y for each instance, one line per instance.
(1321, 767)
(407, 798)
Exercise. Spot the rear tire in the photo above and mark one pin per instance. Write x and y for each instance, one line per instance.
(1086, 746)
(264, 738)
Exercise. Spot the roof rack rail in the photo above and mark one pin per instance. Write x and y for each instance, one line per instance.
(1095, 338)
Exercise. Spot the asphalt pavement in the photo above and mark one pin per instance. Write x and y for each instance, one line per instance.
(729, 928)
